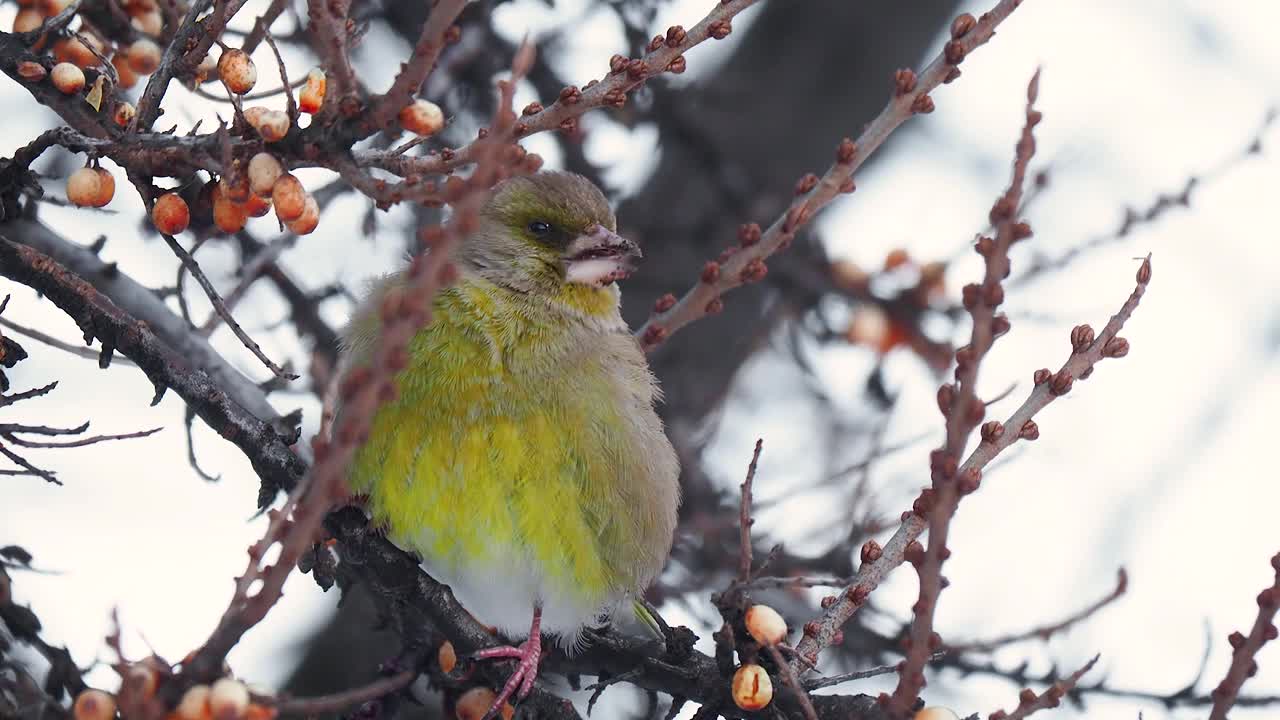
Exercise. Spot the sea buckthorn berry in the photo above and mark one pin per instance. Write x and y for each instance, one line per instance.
(289, 198)
(83, 187)
(312, 95)
(94, 705)
(310, 218)
(106, 187)
(170, 214)
(128, 78)
(228, 699)
(228, 215)
(765, 625)
(144, 56)
(264, 170)
(422, 117)
(68, 78)
(237, 70)
(752, 689)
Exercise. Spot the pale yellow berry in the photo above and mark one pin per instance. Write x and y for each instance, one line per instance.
(67, 78)
(936, 713)
(312, 95)
(289, 198)
(205, 70)
(94, 705)
(228, 699)
(264, 170)
(27, 19)
(273, 125)
(308, 220)
(84, 187)
(106, 187)
(53, 7)
(144, 56)
(149, 22)
(752, 688)
(422, 117)
(170, 214)
(253, 115)
(124, 114)
(237, 70)
(869, 326)
(194, 704)
(765, 625)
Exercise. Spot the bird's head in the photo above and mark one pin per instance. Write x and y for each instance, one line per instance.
(550, 233)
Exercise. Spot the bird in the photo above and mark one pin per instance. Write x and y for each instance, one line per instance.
(523, 458)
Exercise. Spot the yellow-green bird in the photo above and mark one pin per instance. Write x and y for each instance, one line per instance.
(522, 458)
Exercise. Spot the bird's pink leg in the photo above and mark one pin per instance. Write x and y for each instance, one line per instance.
(520, 684)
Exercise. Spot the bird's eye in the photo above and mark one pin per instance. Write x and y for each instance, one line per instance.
(538, 227)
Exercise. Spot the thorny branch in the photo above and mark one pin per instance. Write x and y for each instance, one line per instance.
(1244, 649)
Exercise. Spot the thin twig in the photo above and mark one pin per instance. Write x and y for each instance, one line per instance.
(745, 520)
(221, 308)
(1044, 632)
(1245, 649)
(1029, 702)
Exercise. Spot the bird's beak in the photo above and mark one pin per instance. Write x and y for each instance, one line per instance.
(599, 257)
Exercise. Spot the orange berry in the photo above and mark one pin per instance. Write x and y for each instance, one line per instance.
(237, 70)
(27, 19)
(128, 78)
(170, 214)
(309, 220)
(896, 259)
(124, 114)
(106, 187)
(752, 688)
(422, 117)
(256, 205)
(84, 186)
(264, 170)
(289, 198)
(144, 56)
(94, 705)
(67, 77)
(475, 702)
(447, 657)
(312, 95)
(228, 215)
(77, 51)
(53, 7)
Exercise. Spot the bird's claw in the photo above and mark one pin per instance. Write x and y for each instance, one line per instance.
(520, 684)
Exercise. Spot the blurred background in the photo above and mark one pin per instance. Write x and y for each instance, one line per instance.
(1156, 138)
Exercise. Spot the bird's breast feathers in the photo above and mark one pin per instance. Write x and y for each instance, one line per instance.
(523, 459)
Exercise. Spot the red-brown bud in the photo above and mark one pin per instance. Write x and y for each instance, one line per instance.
(1081, 338)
